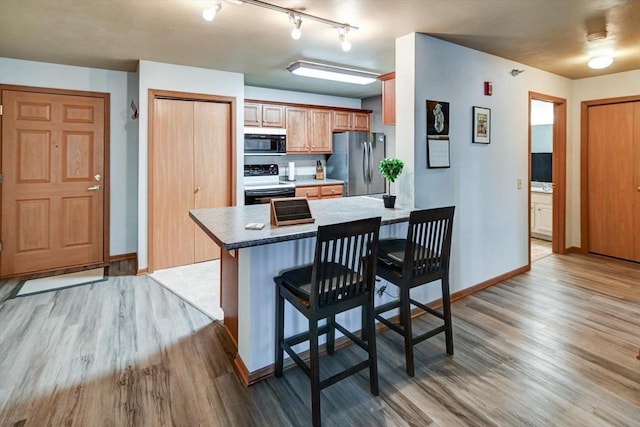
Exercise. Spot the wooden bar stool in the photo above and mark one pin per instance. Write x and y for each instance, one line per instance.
(421, 258)
(341, 277)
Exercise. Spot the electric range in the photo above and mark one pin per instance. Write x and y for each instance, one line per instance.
(262, 183)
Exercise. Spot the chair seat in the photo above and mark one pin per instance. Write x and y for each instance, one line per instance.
(391, 252)
(298, 280)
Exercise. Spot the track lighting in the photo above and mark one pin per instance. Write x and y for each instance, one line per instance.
(295, 17)
(209, 13)
(342, 35)
(297, 22)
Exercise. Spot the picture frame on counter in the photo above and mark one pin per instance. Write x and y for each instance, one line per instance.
(481, 126)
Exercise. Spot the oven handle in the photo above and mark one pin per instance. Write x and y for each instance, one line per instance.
(269, 192)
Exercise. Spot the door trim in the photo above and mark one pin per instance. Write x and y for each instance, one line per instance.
(559, 172)
(584, 162)
(106, 98)
(154, 94)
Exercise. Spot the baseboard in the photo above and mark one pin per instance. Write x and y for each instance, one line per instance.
(123, 264)
(574, 250)
(142, 271)
(488, 283)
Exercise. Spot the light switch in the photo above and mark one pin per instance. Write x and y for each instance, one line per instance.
(519, 183)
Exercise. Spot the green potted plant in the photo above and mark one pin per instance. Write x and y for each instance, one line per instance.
(390, 169)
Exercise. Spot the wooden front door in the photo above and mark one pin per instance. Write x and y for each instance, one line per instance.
(190, 156)
(613, 180)
(53, 188)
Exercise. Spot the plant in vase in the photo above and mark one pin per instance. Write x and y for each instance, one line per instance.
(390, 169)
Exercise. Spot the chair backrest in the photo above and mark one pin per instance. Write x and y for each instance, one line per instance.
(345, 261)
(429, 240)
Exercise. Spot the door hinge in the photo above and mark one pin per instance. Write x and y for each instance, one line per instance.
(1, 176)
(0, 246)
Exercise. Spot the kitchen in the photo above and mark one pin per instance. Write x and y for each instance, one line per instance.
(311, 151)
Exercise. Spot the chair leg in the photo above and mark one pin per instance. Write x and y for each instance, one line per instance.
(314, 372)
(364, 332)
(279, 333)
(370, 325)
(331, 334)
(446, 308)
(405, 317)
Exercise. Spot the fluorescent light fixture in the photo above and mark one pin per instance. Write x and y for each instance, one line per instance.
(331, 72)
(600, 62)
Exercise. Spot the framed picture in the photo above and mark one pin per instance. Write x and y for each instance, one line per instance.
(438, 155)
(481, 125)
(437, 118)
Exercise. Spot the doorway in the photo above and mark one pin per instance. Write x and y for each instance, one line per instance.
(547, 172)
(55, 198)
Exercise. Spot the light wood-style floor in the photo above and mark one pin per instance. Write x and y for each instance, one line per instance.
(553, 347)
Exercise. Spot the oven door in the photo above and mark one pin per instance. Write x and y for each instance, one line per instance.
(264, 195)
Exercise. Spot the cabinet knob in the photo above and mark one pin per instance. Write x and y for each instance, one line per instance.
(638, 188)
(333, 190)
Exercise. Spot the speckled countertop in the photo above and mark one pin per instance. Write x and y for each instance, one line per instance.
(226, 226)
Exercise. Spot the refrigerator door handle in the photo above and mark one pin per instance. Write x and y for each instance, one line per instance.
(370, 163)
(364, 161)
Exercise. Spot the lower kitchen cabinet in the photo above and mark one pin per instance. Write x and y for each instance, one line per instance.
(319, 191)
(541, 215)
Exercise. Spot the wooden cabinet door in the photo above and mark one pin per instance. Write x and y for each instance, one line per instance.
(53, 189)
(361, 122)
(320, 131)
(252, 114)
(212, 168)
(310, 193)
(388, 98)
(612, 180)
(330, 191)
(342, 121)
(273, 116)
(297, 130)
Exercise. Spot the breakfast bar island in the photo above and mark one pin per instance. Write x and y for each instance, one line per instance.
(250, 259)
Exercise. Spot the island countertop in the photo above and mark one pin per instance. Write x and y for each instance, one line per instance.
(226, 226)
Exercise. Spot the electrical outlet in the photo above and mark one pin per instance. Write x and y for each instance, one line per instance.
(519, 183)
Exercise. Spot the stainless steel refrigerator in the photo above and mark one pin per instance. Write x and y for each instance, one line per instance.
(355, 161)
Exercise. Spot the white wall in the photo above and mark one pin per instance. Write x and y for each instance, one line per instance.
(122, 87)
(155, 75)
(590, 89)
(286, 96)
(491, 223)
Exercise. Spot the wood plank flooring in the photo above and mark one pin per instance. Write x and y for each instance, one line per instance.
(556, 347)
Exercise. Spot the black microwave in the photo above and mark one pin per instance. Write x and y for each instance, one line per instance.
(261, 142)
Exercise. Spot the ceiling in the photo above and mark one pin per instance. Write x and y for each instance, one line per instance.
(115, 34)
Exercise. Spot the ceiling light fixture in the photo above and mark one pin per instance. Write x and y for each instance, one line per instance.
(332, 72)
(209, 13)
(297, 22)
(342, 35)
(601, 55)
(343, 28)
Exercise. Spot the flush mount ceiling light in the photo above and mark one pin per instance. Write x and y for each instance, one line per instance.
(600, 56)
(332, 72)
(295, 17)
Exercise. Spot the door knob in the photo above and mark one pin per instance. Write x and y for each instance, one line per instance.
(94, 188)
(98, 177)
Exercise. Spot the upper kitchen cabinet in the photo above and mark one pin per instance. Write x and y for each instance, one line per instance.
(297, 130)
(320, 135)
(308, 130)
(388, 98)
(264, 115)
(351, 121)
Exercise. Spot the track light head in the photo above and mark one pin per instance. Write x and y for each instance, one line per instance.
(210, 13)
(342, 35)
(296, 21)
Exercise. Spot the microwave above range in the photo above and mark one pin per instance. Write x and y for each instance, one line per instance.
(265, 141)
